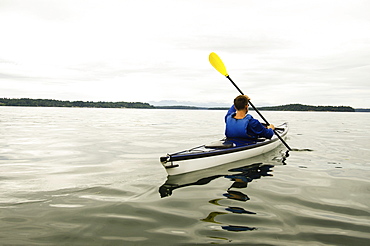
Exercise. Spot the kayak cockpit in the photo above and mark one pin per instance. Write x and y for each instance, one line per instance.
(221, 144)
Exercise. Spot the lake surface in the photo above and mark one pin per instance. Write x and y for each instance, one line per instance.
(86, 176)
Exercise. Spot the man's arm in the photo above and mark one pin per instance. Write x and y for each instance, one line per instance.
(257, 129)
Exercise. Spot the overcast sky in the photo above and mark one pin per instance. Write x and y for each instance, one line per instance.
(277, 52)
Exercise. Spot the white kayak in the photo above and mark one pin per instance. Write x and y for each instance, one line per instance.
(221, 152)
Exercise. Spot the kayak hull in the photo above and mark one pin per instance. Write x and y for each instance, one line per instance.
(226, 151)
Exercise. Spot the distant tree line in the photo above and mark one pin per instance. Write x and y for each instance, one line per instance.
(300, 107)
(27, 102)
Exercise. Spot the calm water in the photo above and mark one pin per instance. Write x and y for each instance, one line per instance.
(71, 176)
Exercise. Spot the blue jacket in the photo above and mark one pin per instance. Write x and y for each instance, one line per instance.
(248, 127)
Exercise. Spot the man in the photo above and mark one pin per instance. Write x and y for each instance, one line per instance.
(240, 124)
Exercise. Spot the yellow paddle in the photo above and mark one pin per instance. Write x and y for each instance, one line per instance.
(217, 63)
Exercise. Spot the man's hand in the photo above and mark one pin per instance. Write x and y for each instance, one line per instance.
(271, 126)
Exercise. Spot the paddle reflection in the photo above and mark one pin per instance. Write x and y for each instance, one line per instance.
(240, 178)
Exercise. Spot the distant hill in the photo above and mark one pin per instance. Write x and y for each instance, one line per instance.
(180, 107)
(300, 107)
(362, 109)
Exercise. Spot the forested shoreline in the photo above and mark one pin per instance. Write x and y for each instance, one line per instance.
(300, 107)
(27, 102)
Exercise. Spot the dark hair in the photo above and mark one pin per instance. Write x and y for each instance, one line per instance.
(241, 102)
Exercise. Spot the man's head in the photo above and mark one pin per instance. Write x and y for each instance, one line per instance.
(241, 102)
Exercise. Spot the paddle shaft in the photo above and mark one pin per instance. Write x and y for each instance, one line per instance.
(258, 112)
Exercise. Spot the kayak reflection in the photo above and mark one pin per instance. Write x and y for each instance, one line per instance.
(243, 176)
(240, 177)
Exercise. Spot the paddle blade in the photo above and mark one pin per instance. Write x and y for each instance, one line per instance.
(217, 63)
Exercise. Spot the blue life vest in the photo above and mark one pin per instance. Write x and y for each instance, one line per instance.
(237, 128)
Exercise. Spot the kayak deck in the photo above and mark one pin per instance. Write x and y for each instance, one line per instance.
(215, 148)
